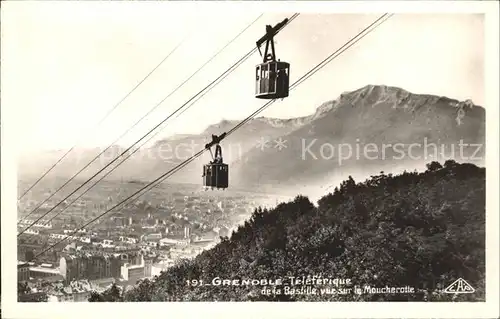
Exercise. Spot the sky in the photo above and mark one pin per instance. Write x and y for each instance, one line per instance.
(65, 65)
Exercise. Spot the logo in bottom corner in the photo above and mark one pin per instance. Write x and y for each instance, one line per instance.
(459, 286)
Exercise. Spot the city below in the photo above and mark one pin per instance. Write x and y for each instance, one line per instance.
(58, 260)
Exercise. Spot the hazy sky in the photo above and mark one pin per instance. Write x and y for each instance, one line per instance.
(66, 65)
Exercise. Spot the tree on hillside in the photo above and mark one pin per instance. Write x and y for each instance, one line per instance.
(113, 294)
(434, 166)
(142, 292)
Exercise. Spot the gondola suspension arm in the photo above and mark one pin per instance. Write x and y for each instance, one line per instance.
(268, 38)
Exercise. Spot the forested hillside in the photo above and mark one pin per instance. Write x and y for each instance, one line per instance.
(421, 230)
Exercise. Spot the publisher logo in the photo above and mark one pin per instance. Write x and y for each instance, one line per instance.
(459, 286)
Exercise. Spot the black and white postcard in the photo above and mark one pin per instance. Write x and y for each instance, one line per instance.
(250, 159)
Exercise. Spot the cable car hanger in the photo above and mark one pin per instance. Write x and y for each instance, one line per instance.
(269, 39)
(218, 150)
(215, 141)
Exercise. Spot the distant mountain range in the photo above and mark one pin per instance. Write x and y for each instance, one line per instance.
(290, 153)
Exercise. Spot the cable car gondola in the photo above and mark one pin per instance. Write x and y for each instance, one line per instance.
(216, 173)
(272, 76)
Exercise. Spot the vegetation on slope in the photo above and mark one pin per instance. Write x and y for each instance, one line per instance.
(421, 230)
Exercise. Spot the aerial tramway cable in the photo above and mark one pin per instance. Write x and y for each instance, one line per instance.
(145, 142)
(311, 72)
(105, 116)
(130, 128)
(208, 87)
(142, 118)
(67, 152)
(220, 79)
(161, 178)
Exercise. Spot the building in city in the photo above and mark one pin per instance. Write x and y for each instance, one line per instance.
(148, 265)
(151, 237)
(167, 241)
(132, 273)
(131, 257)
(89, 266)
(42, 272)
(32, 297)
(44, 280)
(75, 291)
(128, 240)
(28, 249)
(23, 271)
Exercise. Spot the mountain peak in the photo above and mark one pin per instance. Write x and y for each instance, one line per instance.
(276, 122)
(371, 95)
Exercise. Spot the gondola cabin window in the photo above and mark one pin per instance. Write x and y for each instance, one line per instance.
(216, 176)
(272, 80)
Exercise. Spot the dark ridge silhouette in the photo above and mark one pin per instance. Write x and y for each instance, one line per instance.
(417, 230)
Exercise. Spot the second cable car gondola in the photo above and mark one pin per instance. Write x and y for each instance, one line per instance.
(272, 76)
(216, 173)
